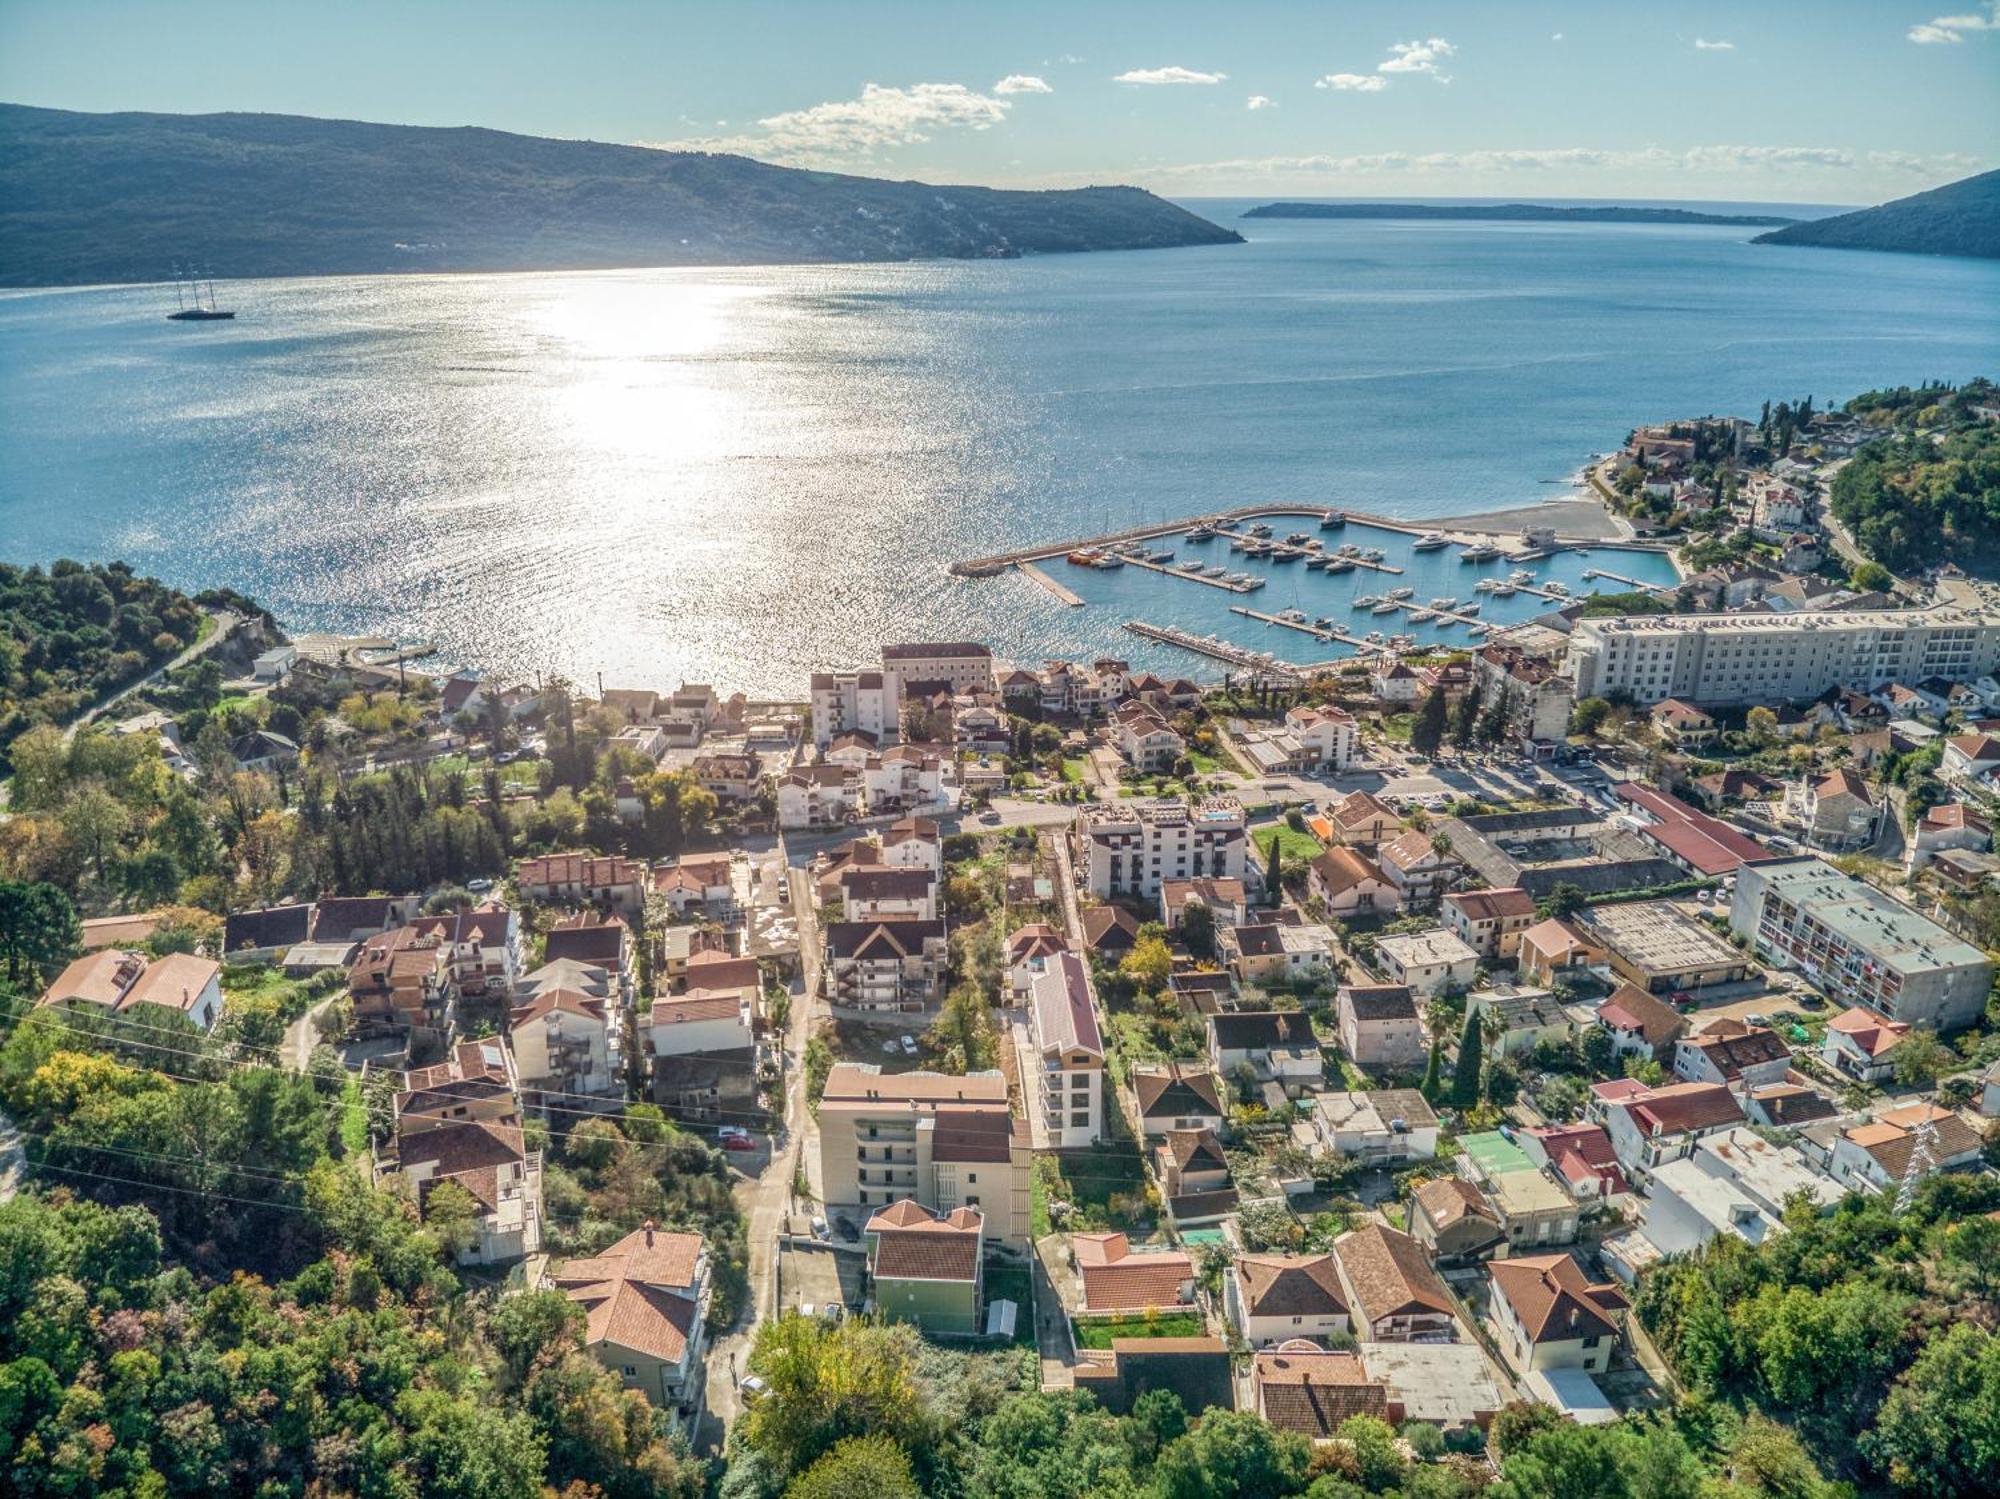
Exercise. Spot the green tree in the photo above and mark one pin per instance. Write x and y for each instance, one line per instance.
(1149, 963)
(1232, 1455)
(1465, 718)
(1433, 1071)
(858, 1468)
(1427, 731)
(1379, 1461)
(962, 1037)
(1589, 715)
(453, 1214)
(1920, 1058)
(1198, 929)
(1870, 577)
(1274, 868)
(1465, 1073)
(39, 931)
(1564, 900)
(1939, 1430)
(533, 1327)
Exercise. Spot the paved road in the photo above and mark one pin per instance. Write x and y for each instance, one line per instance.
(226, 621)
(13, 1159)
(766, 1199)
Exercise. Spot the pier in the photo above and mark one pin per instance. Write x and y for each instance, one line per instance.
(1306, 627)
(1217, 650)
(1632, 583)
(1035, 575)
(1194, 577)
(1285, 551)
(999, 562)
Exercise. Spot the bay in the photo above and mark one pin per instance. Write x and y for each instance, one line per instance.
(740, 476)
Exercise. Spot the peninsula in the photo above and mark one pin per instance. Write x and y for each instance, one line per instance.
(1512, 213)
(92, 198)
(1960, 218)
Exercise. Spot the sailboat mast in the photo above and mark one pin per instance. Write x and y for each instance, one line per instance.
(180, 302)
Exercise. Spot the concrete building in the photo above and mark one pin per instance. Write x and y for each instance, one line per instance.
(1536, 691)
(1394, 1294)
(1310, 1391)
(851, 702)
(1380, 1025)
(946, 1142)
(1177, 1096)
(1877, 1155)
(885, 966)
(1277, 1045)
(1132, 847)
(1062, 1017)
(1550, 1315)
(958, 665)
(1650, 1125)
(1271, 1298)
(645, 1310)
(1387, 1127)
(1834, 811)
(1859, 945)
(1728, 1051)
(1735, 1183)
(1345, 881)
(1427, 961)
(927, 1269)
(568, 1042)
(1652, 946)
(1490, 922)
(1719, 660)
(1452, 1219)
(1327, 733)
(1527, 1018)
(119, 982)
(1862, 1044)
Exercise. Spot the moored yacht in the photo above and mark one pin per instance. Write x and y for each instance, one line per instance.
(1479, 551)
(1332, 520)
(1430, 541)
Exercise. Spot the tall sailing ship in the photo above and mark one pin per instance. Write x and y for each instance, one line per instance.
(188, 296)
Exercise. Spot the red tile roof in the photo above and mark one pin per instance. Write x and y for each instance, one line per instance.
(1115, 1278)
(1709, 845)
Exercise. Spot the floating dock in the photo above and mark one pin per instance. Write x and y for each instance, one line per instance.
(1306, 627)
(1217, 650)
(1035, 575)
(1285, 551)
(1194, 577)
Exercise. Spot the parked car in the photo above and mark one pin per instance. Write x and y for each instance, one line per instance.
(1756, 1018)
(751, 1386)
(846, 1229)
(819, 1229)
(989, 816)
(909, 1046)
(478, 887)
(889, 1046)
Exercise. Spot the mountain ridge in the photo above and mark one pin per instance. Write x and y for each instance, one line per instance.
(1509, 213)
(1960, 218)
(94, 198)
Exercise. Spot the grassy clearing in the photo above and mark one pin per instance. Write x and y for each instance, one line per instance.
(1297, 847)
(1396, 727)
(353, 1119)
(1163, 1325)
(1073, 771)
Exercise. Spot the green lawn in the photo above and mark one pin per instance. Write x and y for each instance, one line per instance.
(1206, 765)
(1073, 771)
(1297, 847)
(1165, 1325)
(1396, 727)
(353, 1119)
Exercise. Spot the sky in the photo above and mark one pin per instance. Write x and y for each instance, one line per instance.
(1842, 101)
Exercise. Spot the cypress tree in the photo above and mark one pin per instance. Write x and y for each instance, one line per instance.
(1427, 733)
(1465, 1076)
(1274, 869)
(1432, 1072)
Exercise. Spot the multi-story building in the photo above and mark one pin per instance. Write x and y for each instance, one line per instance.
(1858, 944)
(1145, 739)
(1062, 1012)
(1710, 660)
(1536, 692)
(1551, 1315)
(818, 796)
(961, 665)
(855, 702)
(1490, 922)
(1133, 847)
(885, 965)
(944, 1142)
(645, 1312)
(567, 1042)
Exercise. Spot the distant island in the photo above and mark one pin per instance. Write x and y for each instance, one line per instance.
(89, 198)
(1960, 218)
(1511, 213)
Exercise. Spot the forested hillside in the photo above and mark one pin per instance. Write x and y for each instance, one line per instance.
(1932, 491)
(1960, 218)
(123, 197)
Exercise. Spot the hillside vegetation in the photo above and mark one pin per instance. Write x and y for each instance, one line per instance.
(88, 198)
(1960, 218)
(70, 634)
(1931, 491)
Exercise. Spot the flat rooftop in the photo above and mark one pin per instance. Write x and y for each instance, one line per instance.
(1866, 917)
(1655, 935)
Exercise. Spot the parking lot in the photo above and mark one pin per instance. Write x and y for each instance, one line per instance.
(818, 1276)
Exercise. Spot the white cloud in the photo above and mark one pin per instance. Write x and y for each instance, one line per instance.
(1702, 44)
(1168, 75)
(1261, 101)
(1022, 83)
(880, 119)
(1417, 57)
(1557, 37)
(1357, 83)
(1942, 30)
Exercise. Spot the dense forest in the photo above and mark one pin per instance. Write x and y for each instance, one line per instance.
(90, 198)
(1870, 1332)
(71, 633)
(1931, 491)
(1960, 218)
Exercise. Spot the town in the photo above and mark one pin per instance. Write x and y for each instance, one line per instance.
(1409, 1051)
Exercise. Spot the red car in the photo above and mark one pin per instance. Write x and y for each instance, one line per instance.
(731, 1138)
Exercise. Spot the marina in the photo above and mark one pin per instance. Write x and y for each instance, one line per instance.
(1233, 583)
(1217, 649)
(1035, 575)
(1305, 627)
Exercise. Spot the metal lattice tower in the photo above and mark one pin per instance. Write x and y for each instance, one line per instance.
(1923, 1161)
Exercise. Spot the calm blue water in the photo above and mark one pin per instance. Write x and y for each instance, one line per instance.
(736, 476)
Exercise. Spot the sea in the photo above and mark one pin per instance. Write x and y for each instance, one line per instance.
(739, 476)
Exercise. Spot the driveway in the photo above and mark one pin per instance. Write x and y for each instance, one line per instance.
(302, 1035)
(13, 1159)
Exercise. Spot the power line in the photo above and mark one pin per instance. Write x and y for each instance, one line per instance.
(255, 1202)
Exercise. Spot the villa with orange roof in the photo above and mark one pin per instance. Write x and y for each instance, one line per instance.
(1860, 1044)
(645, 1306)
(1118, 1278)
(118, 981)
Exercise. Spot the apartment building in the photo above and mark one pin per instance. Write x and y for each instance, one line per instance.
(1537, 693)
(961, 665)
(944, 1142)
(1858, 944)
(1133, 847)
(884, 965)
(855, 702)
(1715, 660)
(1062, 1012)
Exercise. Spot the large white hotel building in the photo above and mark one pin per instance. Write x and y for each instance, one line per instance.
(1716, 660)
